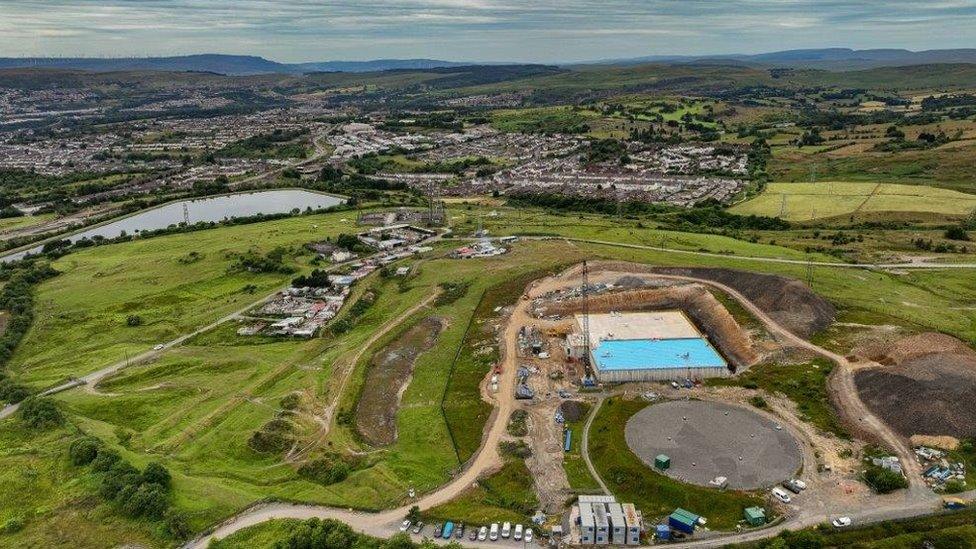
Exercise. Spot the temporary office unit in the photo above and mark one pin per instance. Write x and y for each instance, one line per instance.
(683, 521)
(602, 524)
(662, 462)
(587, 524)
(618, 524)
(755, 516)
(662, 532)
(634, 524)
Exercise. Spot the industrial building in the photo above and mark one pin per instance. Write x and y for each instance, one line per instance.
(603, 521)
(644, 346)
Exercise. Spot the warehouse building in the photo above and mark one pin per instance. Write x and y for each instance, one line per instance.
(653, 346)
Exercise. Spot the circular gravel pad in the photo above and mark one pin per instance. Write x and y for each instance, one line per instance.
(708, 439)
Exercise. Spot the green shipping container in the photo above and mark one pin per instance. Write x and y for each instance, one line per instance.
(755, 516)
(662, 462)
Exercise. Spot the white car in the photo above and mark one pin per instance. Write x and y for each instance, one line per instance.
(528, 535)
(781, 494)
(506, 530)
(158, 347)
(842, 522)
(493, 532)
(799, 484)
(517, 535)
(405, 525)
(483, 533)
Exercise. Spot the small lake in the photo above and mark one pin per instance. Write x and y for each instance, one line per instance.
(215, 208)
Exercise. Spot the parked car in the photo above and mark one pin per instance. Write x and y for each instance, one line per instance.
(506, 530)
(405, 525)
(791, 486)
(448, 530)
(842, 522)
(518, 532)
(459, 531)
(475, 534)
(437, 530)
(419, 527)
(781, 494)
(493, 532)
(800, 484)
(528, 535)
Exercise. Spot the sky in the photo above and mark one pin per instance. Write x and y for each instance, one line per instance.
(474, 30)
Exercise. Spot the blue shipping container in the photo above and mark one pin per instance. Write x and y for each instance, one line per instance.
(663, 532)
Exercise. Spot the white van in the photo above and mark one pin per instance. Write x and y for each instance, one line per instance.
(518, 532)
(506, 530)
(493, 533)
(781, 494)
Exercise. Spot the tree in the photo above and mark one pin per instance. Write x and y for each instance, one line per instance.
(133, 321)
(41, 413)
(413, 515)
(105, 459)
(156, 473)
(83, 450)
(957, 233)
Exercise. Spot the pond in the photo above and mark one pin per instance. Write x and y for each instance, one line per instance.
(215, 208)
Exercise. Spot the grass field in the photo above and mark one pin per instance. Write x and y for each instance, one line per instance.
(194, 407)
(807, 201)
(577, 473)
(508, 495)
(81, 315)
(654, 494)
(11, 223)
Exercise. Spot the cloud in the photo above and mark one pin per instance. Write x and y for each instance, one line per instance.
(518, 30)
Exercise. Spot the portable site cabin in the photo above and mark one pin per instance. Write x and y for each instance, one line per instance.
(662, 532)
(587, 523)
(683, 521)
(602, 524)
(618, 524)
(634, 524)
(662, 462)
(755, 516)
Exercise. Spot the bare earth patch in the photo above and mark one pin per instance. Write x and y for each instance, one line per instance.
(387, 377)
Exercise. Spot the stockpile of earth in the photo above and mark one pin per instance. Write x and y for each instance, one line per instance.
(927, 386)
(573, 410)
(788, 301)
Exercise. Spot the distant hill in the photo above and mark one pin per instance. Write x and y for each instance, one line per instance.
(232, 65)
(836, 59)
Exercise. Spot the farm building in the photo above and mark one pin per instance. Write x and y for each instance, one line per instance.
(653, 346)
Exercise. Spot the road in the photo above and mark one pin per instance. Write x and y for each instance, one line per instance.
(882, 266)
(585, 447)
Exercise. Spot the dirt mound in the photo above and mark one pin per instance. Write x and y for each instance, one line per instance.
(698, 303)
(927, 387)
(788, 301)
(573, 410)
(388, 375)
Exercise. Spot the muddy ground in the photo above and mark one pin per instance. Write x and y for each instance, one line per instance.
(927, 385)
(388, 375)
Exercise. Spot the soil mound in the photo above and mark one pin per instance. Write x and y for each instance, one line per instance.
(572, 410)
(787, 300)
(927, 388)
